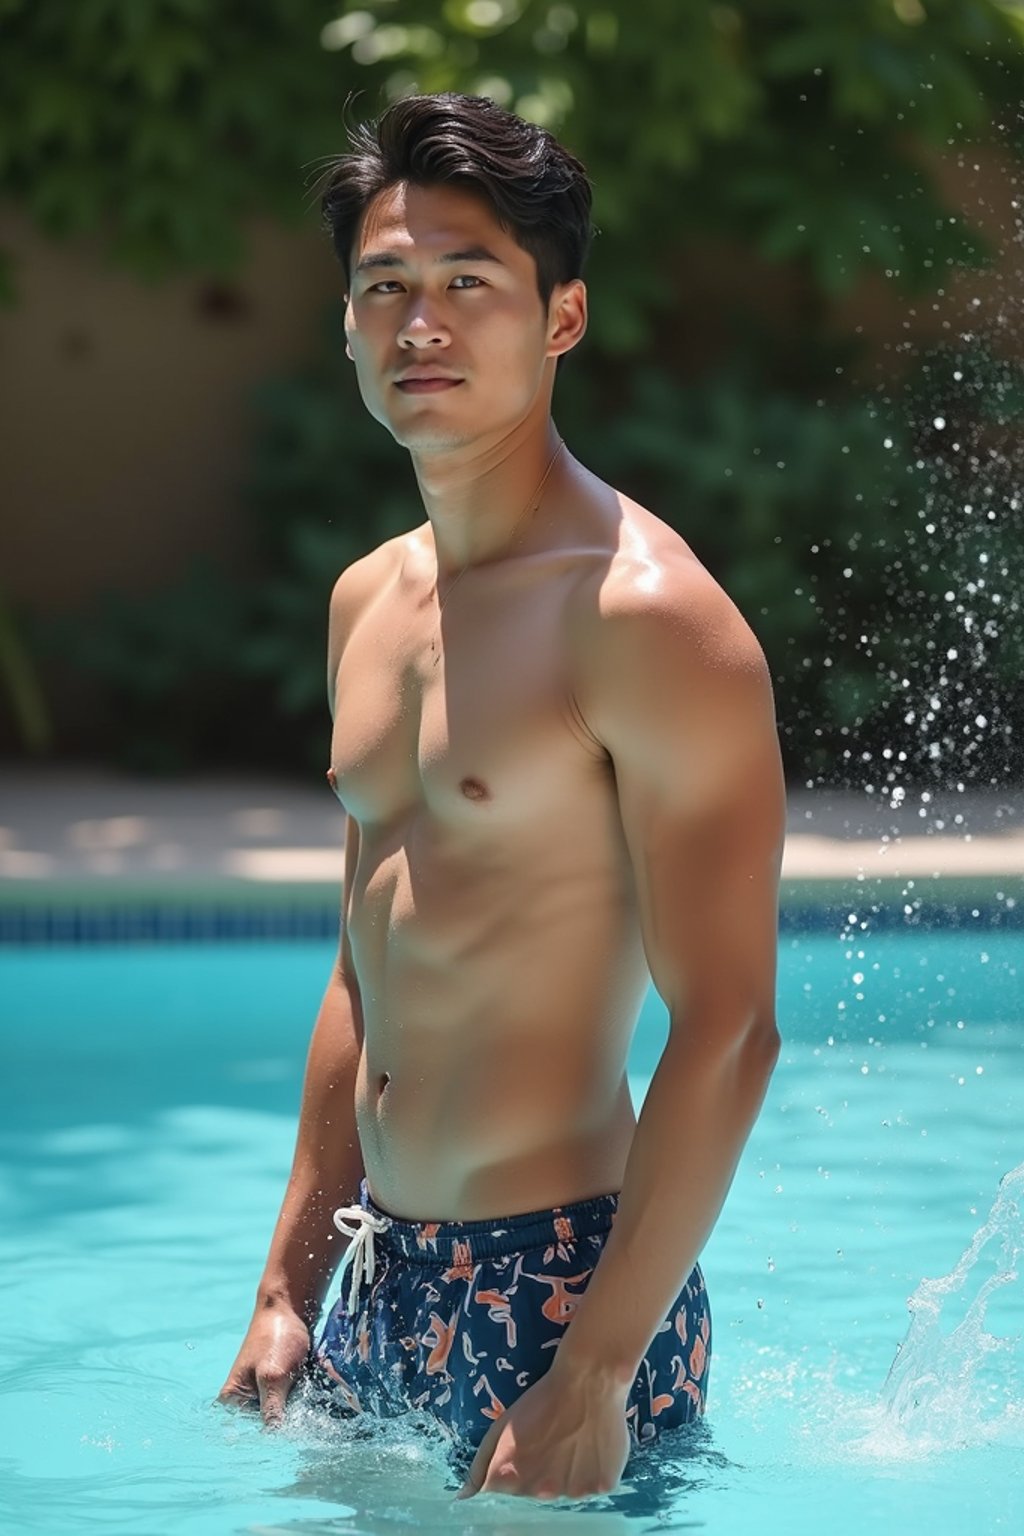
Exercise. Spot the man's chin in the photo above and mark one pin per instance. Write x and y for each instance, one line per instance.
(434, 438)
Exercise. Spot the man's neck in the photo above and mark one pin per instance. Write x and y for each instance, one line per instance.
(478, 501)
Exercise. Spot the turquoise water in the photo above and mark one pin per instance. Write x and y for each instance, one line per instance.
(148, 1102)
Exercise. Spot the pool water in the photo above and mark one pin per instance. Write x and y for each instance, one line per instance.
(148, 1107)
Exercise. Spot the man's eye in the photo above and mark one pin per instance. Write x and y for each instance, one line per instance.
(467, 277)
(389, 284)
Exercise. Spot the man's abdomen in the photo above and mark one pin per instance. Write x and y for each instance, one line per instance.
(500, 982)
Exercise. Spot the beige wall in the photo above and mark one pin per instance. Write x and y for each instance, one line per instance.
(123, 411)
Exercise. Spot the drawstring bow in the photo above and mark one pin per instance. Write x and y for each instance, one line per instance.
(360, 1251)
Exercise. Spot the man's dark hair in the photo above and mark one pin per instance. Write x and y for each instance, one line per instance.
(538, 191)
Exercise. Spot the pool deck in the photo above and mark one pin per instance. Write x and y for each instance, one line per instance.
(100, 830)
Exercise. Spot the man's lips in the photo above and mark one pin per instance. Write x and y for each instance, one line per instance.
(426, 386)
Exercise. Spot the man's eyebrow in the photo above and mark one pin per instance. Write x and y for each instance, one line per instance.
(382, 259)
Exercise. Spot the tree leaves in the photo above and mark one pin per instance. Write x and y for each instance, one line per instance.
(165, 124)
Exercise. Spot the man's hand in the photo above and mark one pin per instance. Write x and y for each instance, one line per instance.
(270, 1360)
(565, 1437)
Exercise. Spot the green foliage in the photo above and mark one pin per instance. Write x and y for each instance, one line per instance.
(837, 525)
(220, 668)
(794, 129)
(164, 124)
(20, 685)
(172, 694)
(327, 485)
(790, 125)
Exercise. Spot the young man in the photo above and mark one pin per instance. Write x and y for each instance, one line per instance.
(554, 743)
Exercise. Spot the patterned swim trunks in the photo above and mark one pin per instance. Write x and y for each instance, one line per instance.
(457, 1319)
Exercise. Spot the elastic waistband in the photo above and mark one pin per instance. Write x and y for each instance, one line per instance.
(458, 1243)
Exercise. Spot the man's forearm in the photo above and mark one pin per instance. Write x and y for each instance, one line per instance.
(695, 1121)
(327, 1166)
(305, 1250)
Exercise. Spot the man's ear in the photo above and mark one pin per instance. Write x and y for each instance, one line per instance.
(567, 316)
(348, 349)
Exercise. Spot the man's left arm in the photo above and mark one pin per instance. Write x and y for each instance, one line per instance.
(684, 707)
(675, 688)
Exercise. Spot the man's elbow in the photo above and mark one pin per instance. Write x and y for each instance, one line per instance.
(752, 1058)
(729, 1033)
(760, 1034)
(769, 1042)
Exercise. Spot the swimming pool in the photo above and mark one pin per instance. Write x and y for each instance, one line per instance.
(149, 1100)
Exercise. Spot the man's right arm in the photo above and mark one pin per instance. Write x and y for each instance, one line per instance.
(326, 1170)
(327, 1165)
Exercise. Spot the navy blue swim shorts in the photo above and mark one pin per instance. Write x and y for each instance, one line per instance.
(457, 1319)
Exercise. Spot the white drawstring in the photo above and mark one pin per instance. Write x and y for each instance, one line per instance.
(359, 1252)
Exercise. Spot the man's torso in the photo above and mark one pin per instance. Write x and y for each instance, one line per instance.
(492, 916)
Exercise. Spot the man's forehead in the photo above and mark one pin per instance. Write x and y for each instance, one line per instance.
(430, 221)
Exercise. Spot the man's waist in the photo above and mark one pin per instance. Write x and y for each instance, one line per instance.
(463, 1243)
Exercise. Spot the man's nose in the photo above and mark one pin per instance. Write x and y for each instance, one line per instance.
(422, 328)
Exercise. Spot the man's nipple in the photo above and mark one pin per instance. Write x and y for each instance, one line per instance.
(474, 789)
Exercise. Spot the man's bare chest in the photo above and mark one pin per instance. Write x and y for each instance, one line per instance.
(482, 724)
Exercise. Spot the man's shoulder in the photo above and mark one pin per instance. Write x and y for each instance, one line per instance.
(355, 589)
(667, 672)
(363, 577)
(652, 600)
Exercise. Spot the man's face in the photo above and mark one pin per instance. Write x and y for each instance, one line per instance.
(444, 320)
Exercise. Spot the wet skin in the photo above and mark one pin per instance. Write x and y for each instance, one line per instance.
(494, 948)
(554, 740)
(491, 917)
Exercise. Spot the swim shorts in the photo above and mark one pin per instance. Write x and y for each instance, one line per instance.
(457, 1319)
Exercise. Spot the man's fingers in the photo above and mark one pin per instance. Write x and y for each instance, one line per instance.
(477, 1473)
(274, 1389)
(236, 1394)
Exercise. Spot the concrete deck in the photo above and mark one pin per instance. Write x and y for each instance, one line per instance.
(98, 828)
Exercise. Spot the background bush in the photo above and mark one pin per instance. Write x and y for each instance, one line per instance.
(803, 134)
(838, 526)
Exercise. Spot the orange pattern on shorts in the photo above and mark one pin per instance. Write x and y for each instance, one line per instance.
(560, 1305)
(496, 1407)
(452, 1306)
(442, 1336)
(698, 1354)
(462, 1263)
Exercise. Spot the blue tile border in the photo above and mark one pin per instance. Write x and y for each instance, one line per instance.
(143, 923)
(149, 922)
(890, 917)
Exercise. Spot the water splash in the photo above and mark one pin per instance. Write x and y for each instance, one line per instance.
(959, 1385)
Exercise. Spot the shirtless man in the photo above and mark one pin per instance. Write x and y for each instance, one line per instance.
(555, 747)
